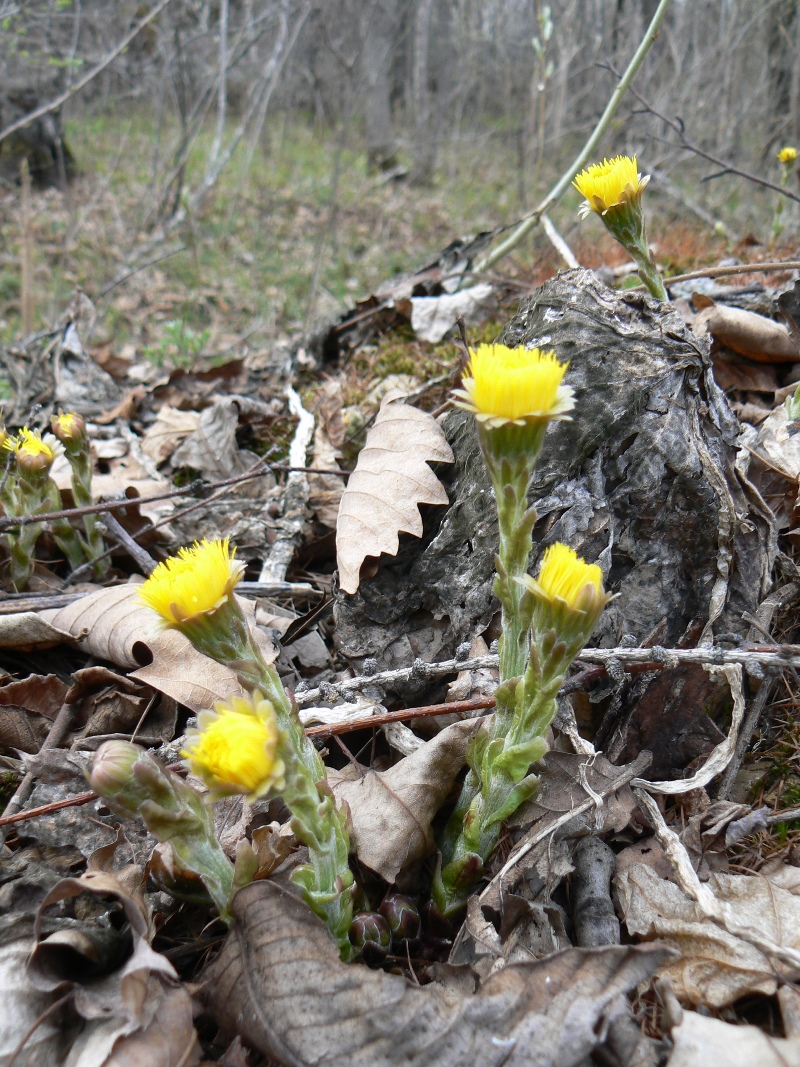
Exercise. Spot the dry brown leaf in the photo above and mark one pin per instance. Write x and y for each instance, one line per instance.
(392, 810)
(699, 1040)
(22, 1005)
(28, 629)
(171, 428)
(748, 334)
(212, 448)
(325, 490)
(27, 710)
(135, 1014)
(113, 626)
(278, 983)
(391, 479)
(715, 968)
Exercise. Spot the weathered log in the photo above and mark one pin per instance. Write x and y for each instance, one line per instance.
(642, 480)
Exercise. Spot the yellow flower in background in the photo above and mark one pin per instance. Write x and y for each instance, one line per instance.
(610, 183)
(513, 385)
(564, 575)
(235, 748)
(33, 452)
(787, 154)
(195, 582)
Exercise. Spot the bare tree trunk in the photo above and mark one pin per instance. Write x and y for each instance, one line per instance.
(378, 46)
(424, 141)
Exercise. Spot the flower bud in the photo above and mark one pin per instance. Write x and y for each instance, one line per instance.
(70, 429)
(370, 936)
(113, 777)
(402, 915)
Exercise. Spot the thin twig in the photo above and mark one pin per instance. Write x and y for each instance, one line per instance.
(721, 272)
(56, 735)
(142, 557)
(775, 658)
(727, 168)
(588, 149)
(457, 707)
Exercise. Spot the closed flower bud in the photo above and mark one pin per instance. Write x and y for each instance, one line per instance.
(370, 936)
(402, 915)
(113, 777)
(70, 429)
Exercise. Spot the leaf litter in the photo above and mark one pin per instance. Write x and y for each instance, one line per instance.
(515, 983)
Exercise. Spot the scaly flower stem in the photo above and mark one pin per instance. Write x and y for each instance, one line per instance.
(81, 464)
(328, 883)
(510, 453)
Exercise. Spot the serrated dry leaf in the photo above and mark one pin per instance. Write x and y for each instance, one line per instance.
(113, 626)
(27, 710)
(715, 967)
(278, 983)
(391, 479)
(392, 810)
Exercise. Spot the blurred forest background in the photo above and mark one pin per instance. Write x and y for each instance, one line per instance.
(242, 168)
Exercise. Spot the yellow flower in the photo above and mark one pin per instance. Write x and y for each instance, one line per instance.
(68, 427)
(513, 385)
(235, 749)
(787, 154)
(33, 452)
(563, 575)
(196, 582)
(610, 183)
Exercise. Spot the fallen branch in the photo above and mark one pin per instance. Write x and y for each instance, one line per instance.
(764, 657)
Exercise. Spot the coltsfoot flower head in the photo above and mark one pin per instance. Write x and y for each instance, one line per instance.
(516, 385)
(569, 594)
(608, 184)
(70, 429)
(236, 748)
(787, 155)
(196, 582)
(34, 453)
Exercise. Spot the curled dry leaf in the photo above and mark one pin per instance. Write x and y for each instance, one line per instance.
(748, 334)
(278, 983)
(392, 478)
(113, 626)
(27, 630)
(715, 967)
(700, 1040)
(136, 1015)
(392, 810)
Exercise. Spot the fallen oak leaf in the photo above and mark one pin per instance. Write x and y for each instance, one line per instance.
(113, 626)
(391, 479)
(279, 983)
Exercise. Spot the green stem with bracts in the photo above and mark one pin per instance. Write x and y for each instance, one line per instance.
(81, 464)
(133, 783)
(625, 222)
(510, 453)
(327, 881)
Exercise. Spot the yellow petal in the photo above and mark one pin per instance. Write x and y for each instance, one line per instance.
(195, 582)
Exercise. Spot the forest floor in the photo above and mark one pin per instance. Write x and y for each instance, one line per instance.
(209, 380)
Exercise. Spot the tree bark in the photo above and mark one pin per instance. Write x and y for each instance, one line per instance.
(377, 54)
